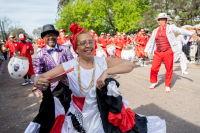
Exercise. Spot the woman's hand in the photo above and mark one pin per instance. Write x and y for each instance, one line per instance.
(41, 83)
(101, 80)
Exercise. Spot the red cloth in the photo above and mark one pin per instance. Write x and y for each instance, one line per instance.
(162, 42)
(79, 101)
(25, 50)
(62, 40)
(57, 127)
(167, 57)
(125, 120)
(11, 46)
(119, 43)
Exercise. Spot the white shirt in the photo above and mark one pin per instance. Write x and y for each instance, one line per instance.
(54, 54)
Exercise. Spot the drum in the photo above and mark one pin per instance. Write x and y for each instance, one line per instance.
(128, 53)
(18, 67)
(111, 50)
(100, 52)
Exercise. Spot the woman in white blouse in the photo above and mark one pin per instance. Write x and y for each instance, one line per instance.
(90, 72)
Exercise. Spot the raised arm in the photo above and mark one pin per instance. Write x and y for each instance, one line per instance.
(43, 78)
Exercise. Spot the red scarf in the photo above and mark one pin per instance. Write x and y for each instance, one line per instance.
(76, 30)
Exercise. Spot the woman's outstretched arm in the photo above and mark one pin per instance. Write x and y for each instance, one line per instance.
(43, 78)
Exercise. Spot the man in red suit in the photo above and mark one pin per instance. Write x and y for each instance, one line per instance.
(26, 49)
(103, 42)
(163, 44)
(142, 41)
(118, 45)
(108, 40)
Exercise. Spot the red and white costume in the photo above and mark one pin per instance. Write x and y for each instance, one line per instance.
(11, 46)
(25, 50)
(119, 43)
(163, 43)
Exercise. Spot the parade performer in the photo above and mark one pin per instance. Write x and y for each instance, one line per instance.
(128, 40)
(123, 38)
(136, 44)
(96, 105)
(180, 54)
(141, 41)
(40, 43)
(4, 51)
(62, 39)
(118, 45)
(108, 40)
(51, 56)
(103, 42)
(95, 40)
(164, 43)
(10, 46)
(26, 49)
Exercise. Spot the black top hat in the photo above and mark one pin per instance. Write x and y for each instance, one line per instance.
(49, 28)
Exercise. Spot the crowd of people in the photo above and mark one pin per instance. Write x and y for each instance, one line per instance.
(73, 71)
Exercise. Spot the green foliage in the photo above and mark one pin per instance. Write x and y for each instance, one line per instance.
(102, 15)
(181, 12)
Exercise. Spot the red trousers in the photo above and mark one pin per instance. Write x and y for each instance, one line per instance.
(167, 57)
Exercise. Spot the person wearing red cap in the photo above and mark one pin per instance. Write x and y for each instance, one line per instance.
(119, 46)
(108, 40)
(142, 41)
(26, 49)
(96, 105)
(103, 42)
(163, 44)
(128, 40)
(95, 40)
(40, 43)
(10, 46)
(62, 39)
(123, 38)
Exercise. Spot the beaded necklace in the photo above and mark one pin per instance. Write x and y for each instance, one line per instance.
(79, 79)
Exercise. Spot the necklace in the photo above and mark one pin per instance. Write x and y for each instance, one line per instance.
(79, 79)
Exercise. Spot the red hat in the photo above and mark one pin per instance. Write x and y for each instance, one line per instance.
(76, 30)
(118, 34)
(62, 30)
(142, 30)
(11, 36)
(108, 34)
(91, 31)
(22, 36)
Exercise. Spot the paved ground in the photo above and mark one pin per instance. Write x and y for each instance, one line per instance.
(180, 108)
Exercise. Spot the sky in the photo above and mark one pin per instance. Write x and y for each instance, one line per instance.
(30, 14)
